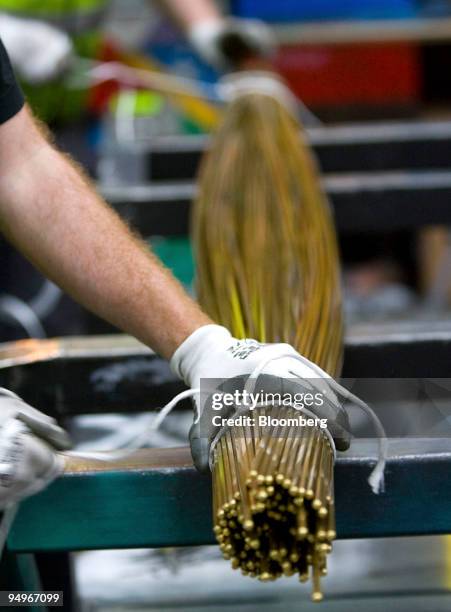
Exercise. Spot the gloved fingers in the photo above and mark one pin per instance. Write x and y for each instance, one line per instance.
(38, 458)
(310, 394)
(200, 448)
(255, 32)
(212, 410)
(317, 377)
(47, 429)
(340, 430)
(8, 393)
(42, 425)
(332, 408)
(340, 427)
(244, 39)
(27, 463)
(225, 42)
(298, 392)
(306, 390)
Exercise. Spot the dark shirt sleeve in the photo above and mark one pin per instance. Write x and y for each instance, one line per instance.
(11, 96)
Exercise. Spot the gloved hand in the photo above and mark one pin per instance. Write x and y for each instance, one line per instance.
(28, 443)
(39, 52)
(212, 353)
(225, 42)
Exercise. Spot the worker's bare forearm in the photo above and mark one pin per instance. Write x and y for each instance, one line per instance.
(51, 213)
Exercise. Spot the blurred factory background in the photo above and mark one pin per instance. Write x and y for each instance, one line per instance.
(375, 77)
(376, 71)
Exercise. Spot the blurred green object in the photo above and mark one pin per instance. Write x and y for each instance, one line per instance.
(151, 104)
(145, 103)
(54, 102)
(177, 255)
(190, 126)
(51, 9)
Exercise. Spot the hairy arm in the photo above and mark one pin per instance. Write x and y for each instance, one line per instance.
(51, 213)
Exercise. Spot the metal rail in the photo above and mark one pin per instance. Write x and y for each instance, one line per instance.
(350, 147)
(118, 374)
(143, 501)
(158, 499)
(378, 201)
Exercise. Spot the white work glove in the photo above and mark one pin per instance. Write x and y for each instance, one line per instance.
(38, 52)
(29, 440)
(212, 353)
(225, 42)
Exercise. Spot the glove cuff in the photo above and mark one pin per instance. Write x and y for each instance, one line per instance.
(187, 361)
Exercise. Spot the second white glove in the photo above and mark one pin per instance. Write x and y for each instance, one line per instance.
(209, 39)
(39, 52)
(29, 440)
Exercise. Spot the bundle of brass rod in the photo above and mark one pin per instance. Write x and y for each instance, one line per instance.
(273, 502)
(268, 268)
(265, 245)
